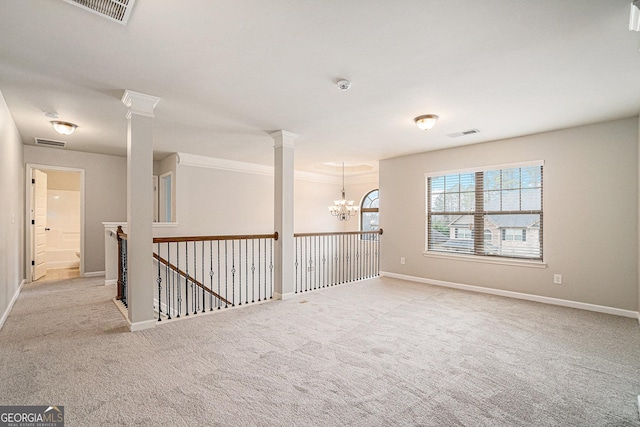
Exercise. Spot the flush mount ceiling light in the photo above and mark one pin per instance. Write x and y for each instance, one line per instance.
(426, 121)
(634, 18)
(64, 128)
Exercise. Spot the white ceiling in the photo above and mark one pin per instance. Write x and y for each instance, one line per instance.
(229, 72)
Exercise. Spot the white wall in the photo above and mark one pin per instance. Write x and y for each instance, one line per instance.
(213, 201)
(590, 214)
(105, 193)
(11, 210)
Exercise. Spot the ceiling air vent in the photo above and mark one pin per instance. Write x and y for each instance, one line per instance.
(50, 142)
(115, 10)
(463, 133)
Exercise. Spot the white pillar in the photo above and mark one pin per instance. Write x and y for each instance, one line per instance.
(283, 214)
(141, 278)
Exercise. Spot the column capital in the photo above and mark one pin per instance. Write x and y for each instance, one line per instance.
(139, 103)
(283, 138)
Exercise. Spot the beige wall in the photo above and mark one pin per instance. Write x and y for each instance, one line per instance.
(590, 214)
(212, 201)
(105, 193)
(11, 209)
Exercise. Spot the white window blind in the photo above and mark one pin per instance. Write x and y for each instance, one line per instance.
(504, 205)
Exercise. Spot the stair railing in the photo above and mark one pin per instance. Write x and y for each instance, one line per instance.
(205, 273)
(328, 259)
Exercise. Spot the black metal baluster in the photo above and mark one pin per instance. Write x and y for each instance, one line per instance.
(167, 285)
(159, 280)
(194, 289)
(259, 270)
(203, 281)
(324, 260)
(271, 268)
(226, 274)
(295, 241)
(178, 276)
(265, 270)
(246, 272)
(253, 271)
(186, 279)
(240, 272)
(233, 273)
(219, 274)
(211, 275)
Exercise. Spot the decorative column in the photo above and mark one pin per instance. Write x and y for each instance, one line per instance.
(140, 209)
(283, 214)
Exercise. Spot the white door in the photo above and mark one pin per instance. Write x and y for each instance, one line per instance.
(39, 223)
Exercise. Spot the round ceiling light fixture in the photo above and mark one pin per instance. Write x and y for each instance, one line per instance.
(426, 121)
(344, 85)
(64, 128)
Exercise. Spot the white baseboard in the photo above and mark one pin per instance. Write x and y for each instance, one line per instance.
(518, 295)
(141, 326)
(13, 301)
(93, 274)
(111, 282)
(283, 297)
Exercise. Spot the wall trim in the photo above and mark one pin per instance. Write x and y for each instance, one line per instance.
(195, 160)
(283, 297)
(141, 326)
(111, 282)
(517, 295)
(5, 315)
(94, 274)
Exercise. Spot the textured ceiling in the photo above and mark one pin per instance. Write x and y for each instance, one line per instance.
(229, 72)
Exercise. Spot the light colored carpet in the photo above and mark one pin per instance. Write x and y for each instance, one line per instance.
(378, 352)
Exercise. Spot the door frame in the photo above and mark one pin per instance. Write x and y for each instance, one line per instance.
(28, 214)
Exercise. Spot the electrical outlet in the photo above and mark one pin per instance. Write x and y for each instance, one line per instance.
(557, 279)
(402, 260)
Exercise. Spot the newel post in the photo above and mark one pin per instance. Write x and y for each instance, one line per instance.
(283, 214)
(140, 209)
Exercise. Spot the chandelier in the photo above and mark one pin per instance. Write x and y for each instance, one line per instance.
(343, 209)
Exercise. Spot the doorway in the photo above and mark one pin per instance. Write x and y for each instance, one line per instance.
(55, 222)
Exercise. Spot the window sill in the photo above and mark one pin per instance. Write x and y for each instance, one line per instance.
(486, 260)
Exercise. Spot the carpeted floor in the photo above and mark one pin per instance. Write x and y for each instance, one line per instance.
(382, 352)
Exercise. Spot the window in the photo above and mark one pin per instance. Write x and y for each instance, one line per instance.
(504, 202)
(369, 214)
(514, 234)
(464, 233)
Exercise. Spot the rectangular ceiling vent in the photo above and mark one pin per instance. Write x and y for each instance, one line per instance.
(463, 133)
(50, 142)
(115, 10)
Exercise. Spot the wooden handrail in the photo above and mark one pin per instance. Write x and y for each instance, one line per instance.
(337, 233)
(123, 235)
(207, 238)
(186, 276)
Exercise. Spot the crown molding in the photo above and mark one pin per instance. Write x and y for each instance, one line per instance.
(195, 160)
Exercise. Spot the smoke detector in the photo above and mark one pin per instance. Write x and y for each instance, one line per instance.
(344, 85)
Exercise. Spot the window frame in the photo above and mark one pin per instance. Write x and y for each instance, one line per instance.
(364, 210)
(479, 214)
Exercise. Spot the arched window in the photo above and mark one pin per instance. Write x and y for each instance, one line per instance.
(369, 212)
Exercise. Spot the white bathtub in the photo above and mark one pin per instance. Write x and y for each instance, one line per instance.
(62, 258)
